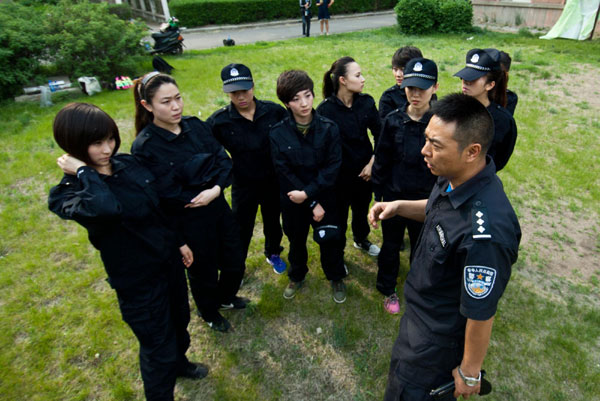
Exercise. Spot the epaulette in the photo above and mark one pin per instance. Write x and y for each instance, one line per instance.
(480, 221)
(326, 120)
(219, 112)
(323, 102)
(277, 124)
(143, 136)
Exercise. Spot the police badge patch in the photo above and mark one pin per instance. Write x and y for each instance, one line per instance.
(479, 281)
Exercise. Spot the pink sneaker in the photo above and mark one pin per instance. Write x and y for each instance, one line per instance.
(392, 304)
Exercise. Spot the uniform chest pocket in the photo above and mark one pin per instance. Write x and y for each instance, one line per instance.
(398, 147)
(234, 140)
(294, 156)
(412, 149)
(434, 256)
(199, 169)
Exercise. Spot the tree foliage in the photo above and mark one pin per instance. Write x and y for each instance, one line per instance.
(22, 45)
(78, 38)
(85, 39)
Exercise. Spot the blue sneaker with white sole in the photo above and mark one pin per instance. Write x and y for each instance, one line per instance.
(278, 264)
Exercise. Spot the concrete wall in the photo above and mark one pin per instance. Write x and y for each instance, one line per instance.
(541, 14)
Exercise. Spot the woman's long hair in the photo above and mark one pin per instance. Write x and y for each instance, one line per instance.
(331, 79)
(144, 89)
(498, 93)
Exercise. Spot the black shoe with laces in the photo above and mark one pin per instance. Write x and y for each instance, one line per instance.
(194, 371)
(235, 303)
(218, 323)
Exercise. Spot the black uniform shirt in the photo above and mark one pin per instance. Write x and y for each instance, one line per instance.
(392, 99)
(505, 135)
(185, 164)
(248, 141)
(399, 167)
(353, 123)
(121, 215)
(463, 259)
(511, 101)
(310, 162)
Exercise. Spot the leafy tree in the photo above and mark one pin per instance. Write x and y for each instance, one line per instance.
(22, 45)
(86, 39)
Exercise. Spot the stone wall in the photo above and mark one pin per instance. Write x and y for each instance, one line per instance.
(540, 14)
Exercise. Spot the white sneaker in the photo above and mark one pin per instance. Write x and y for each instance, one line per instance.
(368, 247)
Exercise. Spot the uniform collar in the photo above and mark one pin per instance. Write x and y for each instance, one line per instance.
(406, 118)
(338, 101)
(117, 165)
(258, 112)
(464, 192)
(166, 134)
(292, 122)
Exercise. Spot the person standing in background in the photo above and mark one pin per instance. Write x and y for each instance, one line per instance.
(324, 14)
(306, 16)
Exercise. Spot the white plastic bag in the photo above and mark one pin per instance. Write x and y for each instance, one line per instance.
(89, 85)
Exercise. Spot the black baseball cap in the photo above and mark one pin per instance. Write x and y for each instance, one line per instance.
(479, 62)
(236, 77)
(421, 73)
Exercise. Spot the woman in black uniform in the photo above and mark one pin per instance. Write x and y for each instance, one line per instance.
(192, 170)
(484, 79)
(307, 156)
(353, 112)
(112, 196)
(395, 97)
(400, 172)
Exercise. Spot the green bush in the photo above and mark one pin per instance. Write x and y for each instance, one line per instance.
(22, 45)
(205, 12)
(86, 40)
(423, 16)
(416, 16)
(122, 11)
(454, 16)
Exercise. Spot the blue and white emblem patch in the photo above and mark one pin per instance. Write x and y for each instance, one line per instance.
(479, 280)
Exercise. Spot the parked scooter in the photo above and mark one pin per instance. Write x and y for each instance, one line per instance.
(169, 39)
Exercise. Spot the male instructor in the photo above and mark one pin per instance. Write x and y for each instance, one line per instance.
(462, 262)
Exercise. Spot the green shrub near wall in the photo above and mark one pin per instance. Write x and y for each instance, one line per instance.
(193, 13)
(454, 16)
(424, 16)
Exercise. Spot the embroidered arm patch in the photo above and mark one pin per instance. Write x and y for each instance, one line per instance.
(479, 281)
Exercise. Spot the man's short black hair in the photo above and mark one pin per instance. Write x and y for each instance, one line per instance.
(474, 123)
(404, 54)
(78, 125)
(291, 82)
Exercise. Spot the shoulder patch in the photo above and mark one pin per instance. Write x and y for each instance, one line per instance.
(480, 222)
(479, 281)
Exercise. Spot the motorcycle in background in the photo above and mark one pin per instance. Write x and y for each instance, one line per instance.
(169, 39)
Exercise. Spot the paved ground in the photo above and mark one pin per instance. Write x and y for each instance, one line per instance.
(212, 36)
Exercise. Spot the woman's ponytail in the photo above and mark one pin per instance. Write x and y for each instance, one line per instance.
(331, 79)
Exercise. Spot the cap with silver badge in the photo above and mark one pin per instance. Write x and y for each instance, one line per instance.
(421, 73)
(236, 77)
(479, 62)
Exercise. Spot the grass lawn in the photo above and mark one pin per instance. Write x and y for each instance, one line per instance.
(62, 335)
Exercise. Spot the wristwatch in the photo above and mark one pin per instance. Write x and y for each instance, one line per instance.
(469, 381)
